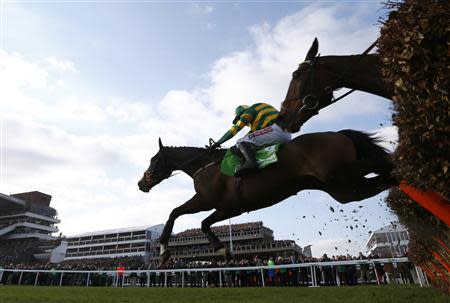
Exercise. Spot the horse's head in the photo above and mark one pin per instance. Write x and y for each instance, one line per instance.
(157, 171)
(309, 91)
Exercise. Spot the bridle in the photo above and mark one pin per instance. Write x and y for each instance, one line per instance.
(311, 101)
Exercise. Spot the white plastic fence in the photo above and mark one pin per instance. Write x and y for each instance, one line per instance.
(315, 281)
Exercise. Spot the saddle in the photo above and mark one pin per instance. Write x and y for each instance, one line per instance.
(265, 155)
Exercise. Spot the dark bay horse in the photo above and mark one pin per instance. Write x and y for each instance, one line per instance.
(315, 80)
(334, 162)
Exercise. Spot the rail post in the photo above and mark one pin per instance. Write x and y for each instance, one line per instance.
(61, 278)
(376, 273)
(36, 279)
(87, 279)
(262, 278)
(20, 277)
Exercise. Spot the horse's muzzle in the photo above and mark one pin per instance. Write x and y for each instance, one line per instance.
(145, 184)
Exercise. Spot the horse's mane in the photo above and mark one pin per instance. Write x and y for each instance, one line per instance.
(217, 153)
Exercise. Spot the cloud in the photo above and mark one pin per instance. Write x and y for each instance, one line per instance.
(62, 66)
(201, 8)
(262, 72)
(389, 137)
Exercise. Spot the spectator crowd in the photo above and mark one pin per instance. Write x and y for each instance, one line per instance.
(326, 275)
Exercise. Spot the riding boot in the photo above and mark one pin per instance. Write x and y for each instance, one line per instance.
(248, 150)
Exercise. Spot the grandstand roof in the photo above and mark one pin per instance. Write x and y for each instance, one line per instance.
(224, 228)
(116, 230)
(396, 227)
(35, 197)
(8, 203)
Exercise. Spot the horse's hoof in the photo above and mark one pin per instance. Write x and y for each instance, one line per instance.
(165, 256)
(225, 252)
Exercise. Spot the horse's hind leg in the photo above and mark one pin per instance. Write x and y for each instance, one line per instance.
(362, 168)
(192, 206)
(362, 189)
(215, 217)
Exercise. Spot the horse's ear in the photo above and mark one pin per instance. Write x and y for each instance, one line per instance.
(160, 144)
(312, 50)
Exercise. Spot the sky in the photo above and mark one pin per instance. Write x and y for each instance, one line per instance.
(88, 87)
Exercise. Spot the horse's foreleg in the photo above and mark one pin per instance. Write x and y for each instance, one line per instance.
(215, 217)
(192, 206)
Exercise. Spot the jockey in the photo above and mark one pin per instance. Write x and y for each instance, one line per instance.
(261, 118)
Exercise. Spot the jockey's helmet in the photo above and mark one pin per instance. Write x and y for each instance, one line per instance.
(239, 111)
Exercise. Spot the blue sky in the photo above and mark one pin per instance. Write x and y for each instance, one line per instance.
(88, 87)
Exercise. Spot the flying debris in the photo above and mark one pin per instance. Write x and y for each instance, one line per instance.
(332, 209)
(370, 232)
(304, 217)
(351, 227)
(360, 206)
(320, 233)
(349, 241)
(336, 248)
(341, 210)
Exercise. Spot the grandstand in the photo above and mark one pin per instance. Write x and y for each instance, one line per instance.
(113, 243)
(248, 240)
(391, 240)
(27, 223)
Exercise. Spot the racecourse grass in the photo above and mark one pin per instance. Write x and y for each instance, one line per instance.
(357, 294)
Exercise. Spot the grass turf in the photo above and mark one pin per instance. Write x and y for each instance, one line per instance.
(366, 294)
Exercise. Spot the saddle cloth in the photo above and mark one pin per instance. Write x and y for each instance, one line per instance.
(264, 157)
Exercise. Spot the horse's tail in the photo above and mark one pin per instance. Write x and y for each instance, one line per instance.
(367, 146)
